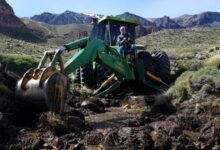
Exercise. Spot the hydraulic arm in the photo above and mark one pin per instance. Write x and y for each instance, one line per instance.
(43, 84)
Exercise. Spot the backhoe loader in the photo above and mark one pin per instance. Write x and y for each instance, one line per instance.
(97, 64)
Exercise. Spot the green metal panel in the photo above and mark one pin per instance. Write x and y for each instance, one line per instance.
(139, 65)
(118, 65)
(119, 19)
(77, 44)
(84, 56)
(115, 49)
(95, 47)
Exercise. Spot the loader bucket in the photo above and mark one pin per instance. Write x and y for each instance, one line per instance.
(42, 88)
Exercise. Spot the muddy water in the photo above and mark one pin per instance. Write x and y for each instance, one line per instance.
(113, 117)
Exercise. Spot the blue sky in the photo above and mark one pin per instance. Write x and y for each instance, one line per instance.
(144, 8)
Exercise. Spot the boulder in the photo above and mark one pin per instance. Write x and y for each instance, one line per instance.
(93, 105)
(7, 130)
(128, 138)
(169, 127)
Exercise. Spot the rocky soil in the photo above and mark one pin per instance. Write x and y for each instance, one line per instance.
(134, 122)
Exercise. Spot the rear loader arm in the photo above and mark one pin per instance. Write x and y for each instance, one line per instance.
(91, 49)
(51, 81)
(96, 50)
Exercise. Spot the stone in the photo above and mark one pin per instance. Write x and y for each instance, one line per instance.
(168, 126)
(73, 121)
(94, 106)
(128, 138)
(74, 112)
(48, 146)
(38, 144)
(161, 140)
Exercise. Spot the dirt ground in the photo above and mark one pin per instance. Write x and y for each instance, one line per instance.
(134, 122)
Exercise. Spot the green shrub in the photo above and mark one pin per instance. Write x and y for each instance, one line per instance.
(18, 63)
(182, 88)
(182, 83)
(212, 72)
(213, 61)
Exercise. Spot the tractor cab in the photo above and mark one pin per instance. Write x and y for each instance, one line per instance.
(108, 29)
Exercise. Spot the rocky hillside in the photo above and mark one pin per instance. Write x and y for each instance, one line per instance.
(5, 8)
(166, 23)
(12, 26)
(58, 34)
(182, 41)
(205, 19)
(71, 18)
(7, 16)
(145, 27)
(141, 20)
(67, 17)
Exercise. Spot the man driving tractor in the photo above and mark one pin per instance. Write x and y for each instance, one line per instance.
(126, 44)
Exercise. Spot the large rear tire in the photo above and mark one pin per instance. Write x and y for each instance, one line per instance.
(148, 61)
(162, 65)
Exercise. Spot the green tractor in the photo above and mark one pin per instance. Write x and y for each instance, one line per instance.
(98, 65)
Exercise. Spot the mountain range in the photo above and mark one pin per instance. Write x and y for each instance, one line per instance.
(204, 19)
(67, 17)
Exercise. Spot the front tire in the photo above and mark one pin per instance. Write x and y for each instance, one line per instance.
(85, 75)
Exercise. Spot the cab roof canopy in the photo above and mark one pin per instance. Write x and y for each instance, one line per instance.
(118, 19)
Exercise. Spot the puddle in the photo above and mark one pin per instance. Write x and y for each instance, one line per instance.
(193, 134)
(113, 117)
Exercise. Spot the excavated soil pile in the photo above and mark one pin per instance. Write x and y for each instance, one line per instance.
(141, 122)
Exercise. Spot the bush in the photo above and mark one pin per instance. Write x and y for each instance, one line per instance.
(212, 72)
(213, 61)
(182, 84)
(190, 82)
(18, 63)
